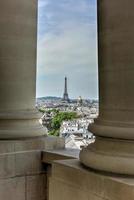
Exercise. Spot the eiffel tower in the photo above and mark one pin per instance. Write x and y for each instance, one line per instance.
(65, 95)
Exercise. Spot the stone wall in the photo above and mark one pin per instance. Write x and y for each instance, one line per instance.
(22, 175)
(71, 181)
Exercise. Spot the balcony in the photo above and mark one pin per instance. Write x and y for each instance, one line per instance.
(34, 166)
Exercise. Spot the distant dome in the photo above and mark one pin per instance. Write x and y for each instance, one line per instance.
(80, 100)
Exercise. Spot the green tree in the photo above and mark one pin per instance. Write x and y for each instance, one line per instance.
(58, 119)
(42, 110)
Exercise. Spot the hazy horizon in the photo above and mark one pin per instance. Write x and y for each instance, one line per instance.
(67, 47)
(62, 97)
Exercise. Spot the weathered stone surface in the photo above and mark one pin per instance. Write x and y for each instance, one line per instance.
(18, 38)
(7, 146)
(36, 187)
(48, 156)
(30, 144)
(37, 143)
(7, 165)
(53, 143)
(70, 180)
(12, 189)
(28, 163)
(62, 190)
(114, 128)
(94, 197)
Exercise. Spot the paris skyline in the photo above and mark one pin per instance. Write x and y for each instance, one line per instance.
(67, 46)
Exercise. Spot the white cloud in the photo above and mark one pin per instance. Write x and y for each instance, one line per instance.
(43, 3)
(76, 46)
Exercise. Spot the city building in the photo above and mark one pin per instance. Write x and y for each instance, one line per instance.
(76, 133)
(78, 126)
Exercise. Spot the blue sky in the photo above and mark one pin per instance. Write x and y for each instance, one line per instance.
(67, 47)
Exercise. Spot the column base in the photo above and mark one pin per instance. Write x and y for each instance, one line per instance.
(69, 180)
(112, 129)
(110, 155)
(20, 124)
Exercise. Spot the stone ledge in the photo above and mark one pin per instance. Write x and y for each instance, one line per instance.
(12, 188)
(38, 143)
(23, 157)
(36, 187)
(69, 178)
(49, 156)
(24, 188)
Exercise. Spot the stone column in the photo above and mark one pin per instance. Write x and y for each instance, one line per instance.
(113, 150)
(18, 40)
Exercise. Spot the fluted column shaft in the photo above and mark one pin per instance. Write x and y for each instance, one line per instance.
(114, 129)
(18, 40)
